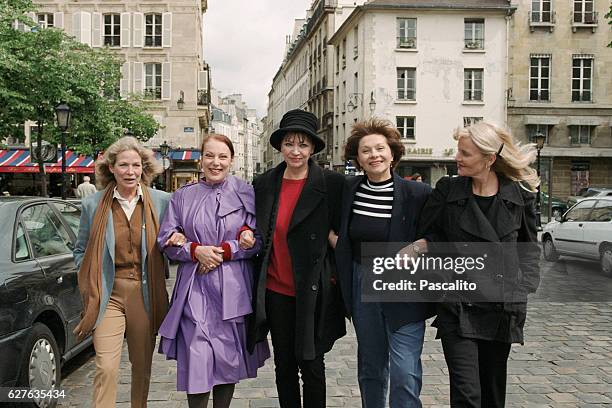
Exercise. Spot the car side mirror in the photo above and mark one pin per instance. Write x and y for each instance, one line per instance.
(559, 218)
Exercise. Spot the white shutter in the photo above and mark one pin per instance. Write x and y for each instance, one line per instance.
(32, 16)
(76, 25)
(125, 29)
(138, 77)
(86, 28)
(166, 77)
(124, 83)
(138, 31)
(203, 80)
(58, 19)
(167, 30)
(97, 29)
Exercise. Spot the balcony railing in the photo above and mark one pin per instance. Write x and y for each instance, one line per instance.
(203, 98)
(542, 19)
(472, 44)
(406, 42)
(585, 19)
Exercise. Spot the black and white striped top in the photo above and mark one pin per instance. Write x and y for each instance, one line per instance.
(371, 214)
(374, 199)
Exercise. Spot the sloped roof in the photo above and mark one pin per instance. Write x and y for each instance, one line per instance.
(437, 4)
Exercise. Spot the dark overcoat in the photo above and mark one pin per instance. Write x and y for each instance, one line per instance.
(409, 197)
(452, 215)
(319, 308)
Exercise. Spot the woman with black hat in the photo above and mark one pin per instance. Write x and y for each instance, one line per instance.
(296, 297)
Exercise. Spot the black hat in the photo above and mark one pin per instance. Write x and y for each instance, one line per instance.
(299, 121)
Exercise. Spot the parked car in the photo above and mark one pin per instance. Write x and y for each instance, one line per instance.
(584, 231)
(589, 192)
(40, 303)
(558, 206)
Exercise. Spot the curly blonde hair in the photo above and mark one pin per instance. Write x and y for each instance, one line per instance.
(512, 159)
(150, 166)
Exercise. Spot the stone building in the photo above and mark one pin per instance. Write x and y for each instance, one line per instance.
(161, 46)
(232, 117)
(304, 78)
(427, 66)
(561, 87)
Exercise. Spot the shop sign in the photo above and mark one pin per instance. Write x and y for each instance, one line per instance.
(421, 151)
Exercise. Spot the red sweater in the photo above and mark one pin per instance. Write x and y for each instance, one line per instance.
(280, 270)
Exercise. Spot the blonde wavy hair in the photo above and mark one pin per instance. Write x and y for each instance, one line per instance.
(513, 159)
(150, 166)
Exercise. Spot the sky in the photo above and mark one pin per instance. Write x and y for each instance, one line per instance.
(244, 42)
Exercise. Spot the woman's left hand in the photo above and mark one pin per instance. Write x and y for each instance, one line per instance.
(332, 238)
(247, 239)
(177, 239)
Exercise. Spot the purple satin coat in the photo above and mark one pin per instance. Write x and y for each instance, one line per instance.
(205, 322)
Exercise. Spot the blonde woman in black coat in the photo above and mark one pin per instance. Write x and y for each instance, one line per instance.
(492, 200)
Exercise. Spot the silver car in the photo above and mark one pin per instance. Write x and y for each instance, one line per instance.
(589, 192)
(584, 231)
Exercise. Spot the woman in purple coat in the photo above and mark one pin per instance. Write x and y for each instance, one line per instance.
(209, 228)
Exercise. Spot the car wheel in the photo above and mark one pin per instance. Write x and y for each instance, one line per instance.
(606, 260)
(550, 252)
(40, 366)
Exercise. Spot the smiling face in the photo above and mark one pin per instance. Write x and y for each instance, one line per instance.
(296, 149)
(127, 170)
(216, 161)
(375, 157)
(471, 162)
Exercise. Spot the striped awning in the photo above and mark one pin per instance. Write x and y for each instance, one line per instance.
(18, 161)
(181, 155)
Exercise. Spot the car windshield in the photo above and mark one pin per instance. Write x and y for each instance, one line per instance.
(590, 193)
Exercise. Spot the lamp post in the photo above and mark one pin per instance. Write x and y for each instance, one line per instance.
(62, 113)
(163, 149)
(372, 103)
(540, 139)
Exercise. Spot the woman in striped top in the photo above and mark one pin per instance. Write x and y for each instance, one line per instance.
(381, 207)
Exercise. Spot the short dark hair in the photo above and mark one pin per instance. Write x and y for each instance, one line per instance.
(374, 126)
(220, 138)
(416, 176)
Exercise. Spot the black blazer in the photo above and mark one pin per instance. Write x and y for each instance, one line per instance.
(453, 215)
(319, 309)
(409, 197)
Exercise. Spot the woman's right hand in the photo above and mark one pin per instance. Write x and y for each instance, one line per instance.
(209, 257)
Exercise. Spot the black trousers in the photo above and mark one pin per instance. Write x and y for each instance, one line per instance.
(477, 370)
(280, 311)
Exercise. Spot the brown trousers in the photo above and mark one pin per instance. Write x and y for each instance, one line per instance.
(125, 314)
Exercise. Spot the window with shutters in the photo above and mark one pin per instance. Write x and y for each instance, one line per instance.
(45, 20)
(405, 125)
(112, 30)
(406, 84)
(153, 81)
(153, 30)
(472, 84)
(539, 78)
(582, 78)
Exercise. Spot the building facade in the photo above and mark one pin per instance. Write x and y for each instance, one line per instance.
(561, 87)
(161, 46)
(232, 117)
(393, 60)
(304, 78)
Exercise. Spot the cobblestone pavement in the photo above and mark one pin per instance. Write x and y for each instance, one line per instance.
(566, 360)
